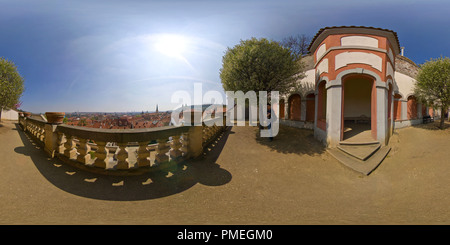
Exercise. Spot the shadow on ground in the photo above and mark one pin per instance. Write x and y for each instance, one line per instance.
(292, 140)
(177, 179)
(433, 125)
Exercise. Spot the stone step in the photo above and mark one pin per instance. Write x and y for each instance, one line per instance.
(364, 167)
(362, 152)
(358, 142)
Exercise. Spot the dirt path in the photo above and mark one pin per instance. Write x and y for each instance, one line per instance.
(291, 180)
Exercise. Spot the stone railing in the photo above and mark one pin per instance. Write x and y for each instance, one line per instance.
(35, 127)
(121, 149)
(210, 131)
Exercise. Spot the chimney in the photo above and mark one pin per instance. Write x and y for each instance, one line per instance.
(403, 50)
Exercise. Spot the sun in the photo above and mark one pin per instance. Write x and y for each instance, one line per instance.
(171, 45)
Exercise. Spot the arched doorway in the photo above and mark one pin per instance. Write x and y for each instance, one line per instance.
(412, 107)
(397, 107)
(321, 105)
(310, 107)
(358, 112)
(295, 107)
(282, 109)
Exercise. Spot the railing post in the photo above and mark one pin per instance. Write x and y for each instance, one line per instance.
(42, 134)
(195, 147)
(33, 129)
(50, 139)
(101, 154)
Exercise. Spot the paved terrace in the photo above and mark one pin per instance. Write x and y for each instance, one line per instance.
(240, 179)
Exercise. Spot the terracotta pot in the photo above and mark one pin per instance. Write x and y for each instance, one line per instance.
(55, 117)
(27, 114)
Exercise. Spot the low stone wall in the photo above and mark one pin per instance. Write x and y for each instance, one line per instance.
(407, 123)
(297, 124)
(320, 135)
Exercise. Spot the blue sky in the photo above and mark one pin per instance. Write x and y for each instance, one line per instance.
(115, 56)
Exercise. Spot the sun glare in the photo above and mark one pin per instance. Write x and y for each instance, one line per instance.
(171, 45)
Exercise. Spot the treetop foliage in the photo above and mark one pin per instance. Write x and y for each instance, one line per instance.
(260, 65)
(433, 84)
(11, 84)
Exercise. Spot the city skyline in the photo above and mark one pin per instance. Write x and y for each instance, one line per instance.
(116, 56)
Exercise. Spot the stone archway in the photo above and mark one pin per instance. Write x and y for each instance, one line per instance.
(310, 107)
(295, 107)
(397, 107)
(358, 109)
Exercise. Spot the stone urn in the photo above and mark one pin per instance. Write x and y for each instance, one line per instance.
(55, 117)
(27, 114)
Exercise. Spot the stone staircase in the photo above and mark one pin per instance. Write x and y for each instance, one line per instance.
(362, 157)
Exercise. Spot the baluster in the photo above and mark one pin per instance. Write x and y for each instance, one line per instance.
(101, 154)
(161, 150)
(70, 150)
(60, 148)
(143, 154)
(122, 156)
(211, 132)
(36, 132)
(185, 144)
(42, 136)
(175, 152)
(216, 129)
(83, 150)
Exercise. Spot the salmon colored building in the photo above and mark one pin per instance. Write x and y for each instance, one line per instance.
(356, 81)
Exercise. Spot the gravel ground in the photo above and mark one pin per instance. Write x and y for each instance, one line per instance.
(241, 179)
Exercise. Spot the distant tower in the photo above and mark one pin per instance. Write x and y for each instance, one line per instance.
(156, 108)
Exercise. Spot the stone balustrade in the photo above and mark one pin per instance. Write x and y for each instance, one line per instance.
(211, 129)
(121, 149)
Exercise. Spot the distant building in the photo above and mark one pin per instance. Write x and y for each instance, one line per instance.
(10, 114)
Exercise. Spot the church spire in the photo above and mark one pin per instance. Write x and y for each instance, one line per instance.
(156, 108)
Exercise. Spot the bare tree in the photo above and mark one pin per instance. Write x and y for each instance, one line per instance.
(297, 44)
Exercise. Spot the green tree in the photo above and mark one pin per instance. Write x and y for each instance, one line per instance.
(260, 65)
(433, 85)
(11, 84)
